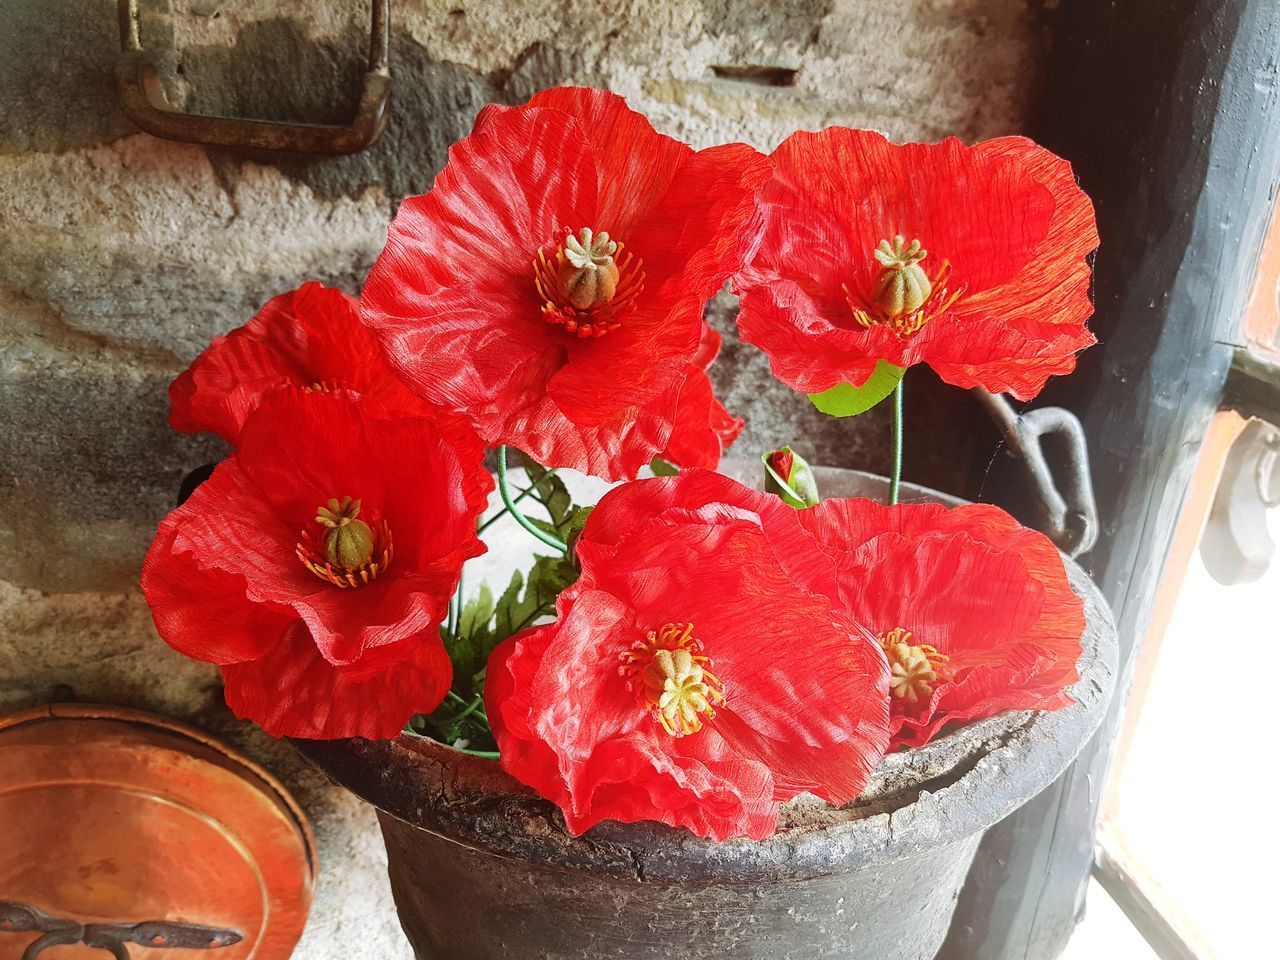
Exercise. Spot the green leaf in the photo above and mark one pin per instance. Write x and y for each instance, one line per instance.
(661, 468)
(486, 621)
(846, 400)
(476, 611)
(550, 491)
(573, 529)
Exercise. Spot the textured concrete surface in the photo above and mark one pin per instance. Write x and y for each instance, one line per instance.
(122, 255)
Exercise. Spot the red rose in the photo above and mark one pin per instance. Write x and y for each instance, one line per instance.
(316, 564)
(310, 337)
(970, 259)
(688, 679)
(973, 610)
(550, 287)
(704, 429)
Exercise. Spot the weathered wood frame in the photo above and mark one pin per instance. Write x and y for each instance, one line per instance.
(1168, 110)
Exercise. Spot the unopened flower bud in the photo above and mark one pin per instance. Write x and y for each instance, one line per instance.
(787, 475)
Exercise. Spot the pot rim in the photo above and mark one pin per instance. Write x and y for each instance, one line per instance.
(943, 793)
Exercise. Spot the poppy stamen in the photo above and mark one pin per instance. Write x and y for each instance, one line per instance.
(673, 678)
(903, 296)
(914, 668)
(345, 551)
(589, 284)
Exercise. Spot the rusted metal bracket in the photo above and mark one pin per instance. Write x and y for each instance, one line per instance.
(1070, 511)
(144, 102)
(111, 937)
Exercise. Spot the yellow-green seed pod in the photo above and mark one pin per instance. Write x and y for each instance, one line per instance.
(588, 274)
(903, 286)
(902, 290)
(348, 545)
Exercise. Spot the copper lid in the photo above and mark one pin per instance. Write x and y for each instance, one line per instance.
(129, 833)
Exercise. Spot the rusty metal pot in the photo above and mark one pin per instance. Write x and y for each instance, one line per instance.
(481, 868)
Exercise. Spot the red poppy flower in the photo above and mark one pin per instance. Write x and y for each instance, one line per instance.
(974, 611)
(316, 564)
(970, 259)
(310, 337)
(688, 679)
(704, 429)
(551, 285)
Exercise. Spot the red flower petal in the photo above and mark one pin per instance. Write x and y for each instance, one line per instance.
(703, 429)
(971, 582)
(223, 578)
(1049, 301)
(806, 698)
(427, 482)
(292, 691)
(309, 336)
(710, 498)
(1006, 215)
(453, 294)
(635, 165)
(202, 612)
(590, 757)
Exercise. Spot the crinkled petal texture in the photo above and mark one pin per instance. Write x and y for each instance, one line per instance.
(703, 429)
(805, 704)
(970, 581)
(291, 690)
(301, 655)
(309, 337)
(1006, 215)
(453, 297)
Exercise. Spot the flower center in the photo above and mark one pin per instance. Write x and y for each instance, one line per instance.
(589, 284)
(673, 678)
(900, 294)
(914, 668)
(342, 549)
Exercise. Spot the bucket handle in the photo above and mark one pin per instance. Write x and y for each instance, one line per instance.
(145, 104)
(1070, 510)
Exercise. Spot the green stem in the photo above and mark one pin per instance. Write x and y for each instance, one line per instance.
(472, 707)
(504, 511)
(455, 607)
(895, 481)
(504, 488)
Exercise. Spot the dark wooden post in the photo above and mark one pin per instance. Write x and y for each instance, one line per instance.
(1168, 109)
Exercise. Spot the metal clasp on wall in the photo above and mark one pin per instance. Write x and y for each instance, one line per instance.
(145, 104)
(1070, 511)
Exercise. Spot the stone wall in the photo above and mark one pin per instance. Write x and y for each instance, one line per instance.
(122, 255)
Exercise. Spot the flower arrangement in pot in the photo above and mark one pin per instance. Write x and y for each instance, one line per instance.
(708, 719)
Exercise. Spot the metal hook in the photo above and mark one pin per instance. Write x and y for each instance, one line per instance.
(1071, 520)
(112, 937)
(144, 102)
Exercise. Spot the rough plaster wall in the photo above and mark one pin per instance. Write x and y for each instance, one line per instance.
(121, 255)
